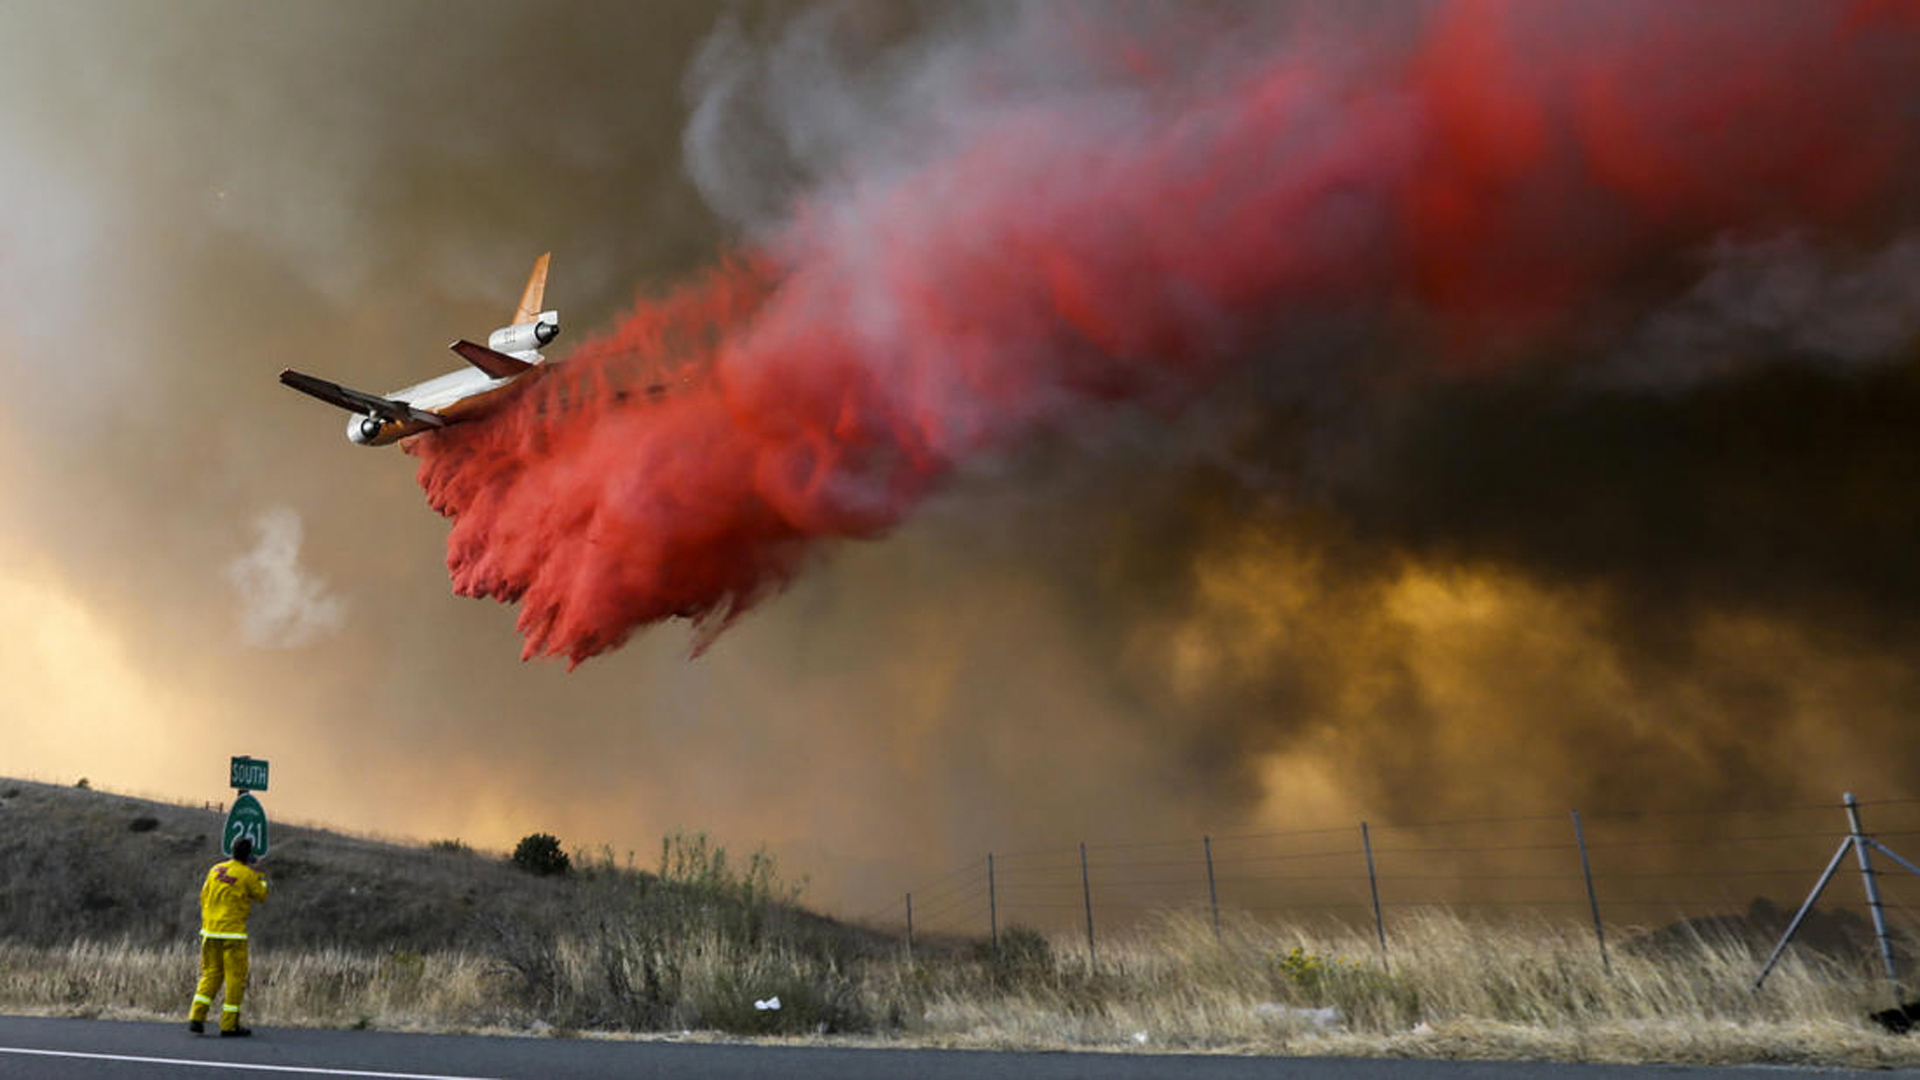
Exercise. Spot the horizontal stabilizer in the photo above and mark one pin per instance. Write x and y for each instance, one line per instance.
(497, 364)
(359, 401)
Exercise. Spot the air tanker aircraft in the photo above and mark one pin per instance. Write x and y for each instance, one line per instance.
(467, 394)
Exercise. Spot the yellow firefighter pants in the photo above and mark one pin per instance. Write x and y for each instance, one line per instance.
(221, 959)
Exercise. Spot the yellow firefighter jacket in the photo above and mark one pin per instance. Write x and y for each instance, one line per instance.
(226, 898)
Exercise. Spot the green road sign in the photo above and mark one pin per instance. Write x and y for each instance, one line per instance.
(248, 774)
(249, 819)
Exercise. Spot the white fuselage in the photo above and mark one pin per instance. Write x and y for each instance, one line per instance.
(445, 391)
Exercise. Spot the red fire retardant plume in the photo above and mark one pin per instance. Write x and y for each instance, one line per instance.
(1516, 166)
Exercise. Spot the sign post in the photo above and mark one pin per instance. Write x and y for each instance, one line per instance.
(247, 818)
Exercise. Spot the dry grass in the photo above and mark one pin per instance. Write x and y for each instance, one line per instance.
(478, 946)
(320, 988)
(1455, 989)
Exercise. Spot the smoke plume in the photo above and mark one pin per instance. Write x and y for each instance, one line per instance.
(1545, 475)
(1070, 209)
(282, 606)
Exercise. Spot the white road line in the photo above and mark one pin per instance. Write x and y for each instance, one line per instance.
(308, 1070)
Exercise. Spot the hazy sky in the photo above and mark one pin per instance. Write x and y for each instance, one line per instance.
(1682, 572)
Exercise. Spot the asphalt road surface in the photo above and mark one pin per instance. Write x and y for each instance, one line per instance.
(109, 1050)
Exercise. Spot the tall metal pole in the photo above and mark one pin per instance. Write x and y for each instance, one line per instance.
(1213, 892)
(909, 926)
(1373, 883)
(993, 908)
(1593, 898)
(1873, 895)
(1086, 893)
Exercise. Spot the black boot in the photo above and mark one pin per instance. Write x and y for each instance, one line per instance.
(197, 1026)
(235, 1033)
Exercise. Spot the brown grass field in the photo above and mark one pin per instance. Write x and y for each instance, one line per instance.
(97, 919)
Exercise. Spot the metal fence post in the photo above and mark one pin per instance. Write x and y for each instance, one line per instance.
(993, 908)
(1213, 892)
(1859, 841)
(909, 926)
(1373, 883)
(1593, 898)
(1873, 896)
(1086, 892)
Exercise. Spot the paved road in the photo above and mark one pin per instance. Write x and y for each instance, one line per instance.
(108, 1050)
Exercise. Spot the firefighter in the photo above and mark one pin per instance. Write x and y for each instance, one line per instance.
(226, 898)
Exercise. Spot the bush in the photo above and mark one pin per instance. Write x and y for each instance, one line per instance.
(540, 854)
(1306, 972)
(456, 846)
(693, 945)
(143, 823)
(814, 998)
(1024, 957)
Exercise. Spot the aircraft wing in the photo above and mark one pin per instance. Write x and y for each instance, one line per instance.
(497, 364)
(358, 401)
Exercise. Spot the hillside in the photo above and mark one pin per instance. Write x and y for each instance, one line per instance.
(76, 863)
(82, 864)
(97, 917)
(362, 926)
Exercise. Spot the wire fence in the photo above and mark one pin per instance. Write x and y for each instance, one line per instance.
(1628, 870)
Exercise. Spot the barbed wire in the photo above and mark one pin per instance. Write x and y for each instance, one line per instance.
(1293, 856)
(1560, 818)
(1455, 849)
(1712, 811)
(1289, 833)
(1134, 875)
(961, 888)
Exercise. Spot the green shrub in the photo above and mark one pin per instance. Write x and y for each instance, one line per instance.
(1023, 957)
(540, 854)
(1306, 972)
(703, 888)
(812, 999)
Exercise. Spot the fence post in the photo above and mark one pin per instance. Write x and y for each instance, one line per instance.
(1593, 898)
(993, 908)
(909, 927)
(1858, 840)
(1213, 893)
(1086, 892)
(1873, 896)
(1373, 883)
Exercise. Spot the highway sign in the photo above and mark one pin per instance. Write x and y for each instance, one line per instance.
(248, 774)
(249, 819)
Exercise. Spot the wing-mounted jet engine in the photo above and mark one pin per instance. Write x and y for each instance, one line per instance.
(466, 394)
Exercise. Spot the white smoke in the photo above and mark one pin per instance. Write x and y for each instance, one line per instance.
(1783, 295)
(281, 605)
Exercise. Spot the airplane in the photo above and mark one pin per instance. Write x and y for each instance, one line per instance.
(467, 394)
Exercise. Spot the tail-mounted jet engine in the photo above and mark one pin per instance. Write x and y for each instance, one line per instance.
(510, 352)
(526, 337)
